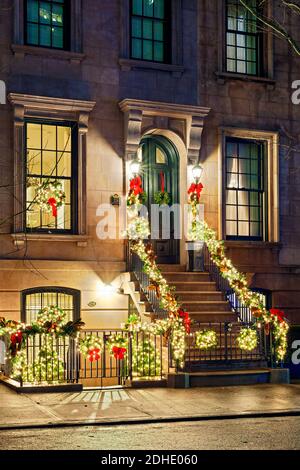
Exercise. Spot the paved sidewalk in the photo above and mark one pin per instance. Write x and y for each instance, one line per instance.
(144, 405)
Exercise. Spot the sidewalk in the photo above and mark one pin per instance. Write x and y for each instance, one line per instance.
(124, 406)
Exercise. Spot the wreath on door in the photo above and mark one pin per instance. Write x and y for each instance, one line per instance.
(162, 197)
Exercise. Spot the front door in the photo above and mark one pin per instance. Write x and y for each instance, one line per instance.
(160, 169)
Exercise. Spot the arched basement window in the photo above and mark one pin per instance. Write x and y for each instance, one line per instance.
(33, 300)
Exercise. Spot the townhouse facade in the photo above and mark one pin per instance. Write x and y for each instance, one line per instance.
(93, 84)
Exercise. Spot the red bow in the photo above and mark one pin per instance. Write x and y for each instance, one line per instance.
(278, 313)
(52, 202)
(136, 186)
(162, 182)
(16, 338)
(196, 188)
(94, 354)
(186, 320)
(119, 353)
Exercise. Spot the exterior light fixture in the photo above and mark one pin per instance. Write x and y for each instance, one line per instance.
(197, 172)
(135, 167)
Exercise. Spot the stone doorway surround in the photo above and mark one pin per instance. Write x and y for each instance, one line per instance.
(182, 124)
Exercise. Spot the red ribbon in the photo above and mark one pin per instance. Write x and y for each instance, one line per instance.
(136, 186)
(94, 354)
(196, 188)
(16, 338)
(186, 320)
(162, 182)
(278, 313)
(52, 202)
(119, 353)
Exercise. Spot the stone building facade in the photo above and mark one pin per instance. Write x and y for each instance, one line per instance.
(103, 80)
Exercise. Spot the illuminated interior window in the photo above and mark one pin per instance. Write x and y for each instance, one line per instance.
(243, 39)
(49, 157)
(150, 30)
(46, 23)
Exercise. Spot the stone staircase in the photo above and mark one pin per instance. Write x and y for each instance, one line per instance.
(199, 295)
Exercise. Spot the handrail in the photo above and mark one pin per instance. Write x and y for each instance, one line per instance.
(135, 265)
(243, 312)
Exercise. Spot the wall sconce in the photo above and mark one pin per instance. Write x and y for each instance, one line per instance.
(197, 172)
(135, 167)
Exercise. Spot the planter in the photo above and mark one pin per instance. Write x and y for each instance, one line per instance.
(195, 261)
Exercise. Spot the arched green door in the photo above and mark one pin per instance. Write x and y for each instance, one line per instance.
(161, 160)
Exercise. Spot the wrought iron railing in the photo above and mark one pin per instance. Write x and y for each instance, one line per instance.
(135, 265)
(242, 311)
(226, 350)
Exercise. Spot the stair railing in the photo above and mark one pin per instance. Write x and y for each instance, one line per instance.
(135, 265)
(243, 312)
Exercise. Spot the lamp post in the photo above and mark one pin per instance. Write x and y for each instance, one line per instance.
(135, 167)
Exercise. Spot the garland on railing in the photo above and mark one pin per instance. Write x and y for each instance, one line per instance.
(273, 318)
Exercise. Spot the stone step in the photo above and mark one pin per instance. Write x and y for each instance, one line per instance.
(172, 267)
(206, 306)
(217, 378)
(173, 277)
(186, 296)
(194, 286)
(213, 317)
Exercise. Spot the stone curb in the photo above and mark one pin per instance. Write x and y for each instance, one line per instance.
(140, 421)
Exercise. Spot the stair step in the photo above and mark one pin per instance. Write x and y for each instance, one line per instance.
(200, 296)
(229, 378)
(172, 267)
(213, 317)
(207, 306)
(195, 286)
(174, 277)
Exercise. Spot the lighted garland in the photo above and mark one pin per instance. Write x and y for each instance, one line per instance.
(271, 319)
(50, 196)
(206, 339)
(247, 339)
(51, 318)
(118, 346)
(162, 198)
(91, 347)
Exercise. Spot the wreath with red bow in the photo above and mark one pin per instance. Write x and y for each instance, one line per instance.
(91, 346)
(50, 196)
(118, 345)
(194, 193)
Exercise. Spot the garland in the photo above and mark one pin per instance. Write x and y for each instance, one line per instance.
(136, 195)
(247, 339)
(91, 347)
(206, 339)
(49, 196)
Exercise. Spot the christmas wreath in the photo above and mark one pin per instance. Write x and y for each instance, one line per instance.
(52, 318)
(117, 345)
(162, 197)
(91, 346)
(136, 195)
(50, 196)
(206, 339)
(247, 339)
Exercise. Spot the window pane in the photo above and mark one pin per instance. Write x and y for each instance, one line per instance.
(33, 217)
(49, 137)
(136, 48)
(32, 11)
(57, 15)
(49, 163)
(159, 8)
(45, 12)
(137, 27)
(243, 229)
(147, 29)
(160, 156)
(137, 7)
(57, 37)
(231, 229)
(32, 34)
(231, 212)
(64, 164)
(34, 162)
(148, 8)
(231, 197)
(158, 31)
(147, 50)
(255, 229)
(34, 136)
(45, 36)
(158, 51)
(243, 213)
(64, 138)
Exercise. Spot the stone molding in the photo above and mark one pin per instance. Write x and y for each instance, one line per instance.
(151, 114)
(42, 107)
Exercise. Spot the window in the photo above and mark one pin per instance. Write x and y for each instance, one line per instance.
(150, 30)
(46, 23)
(243, 39)
(245, 189)
(50, 157)
(33, 300)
